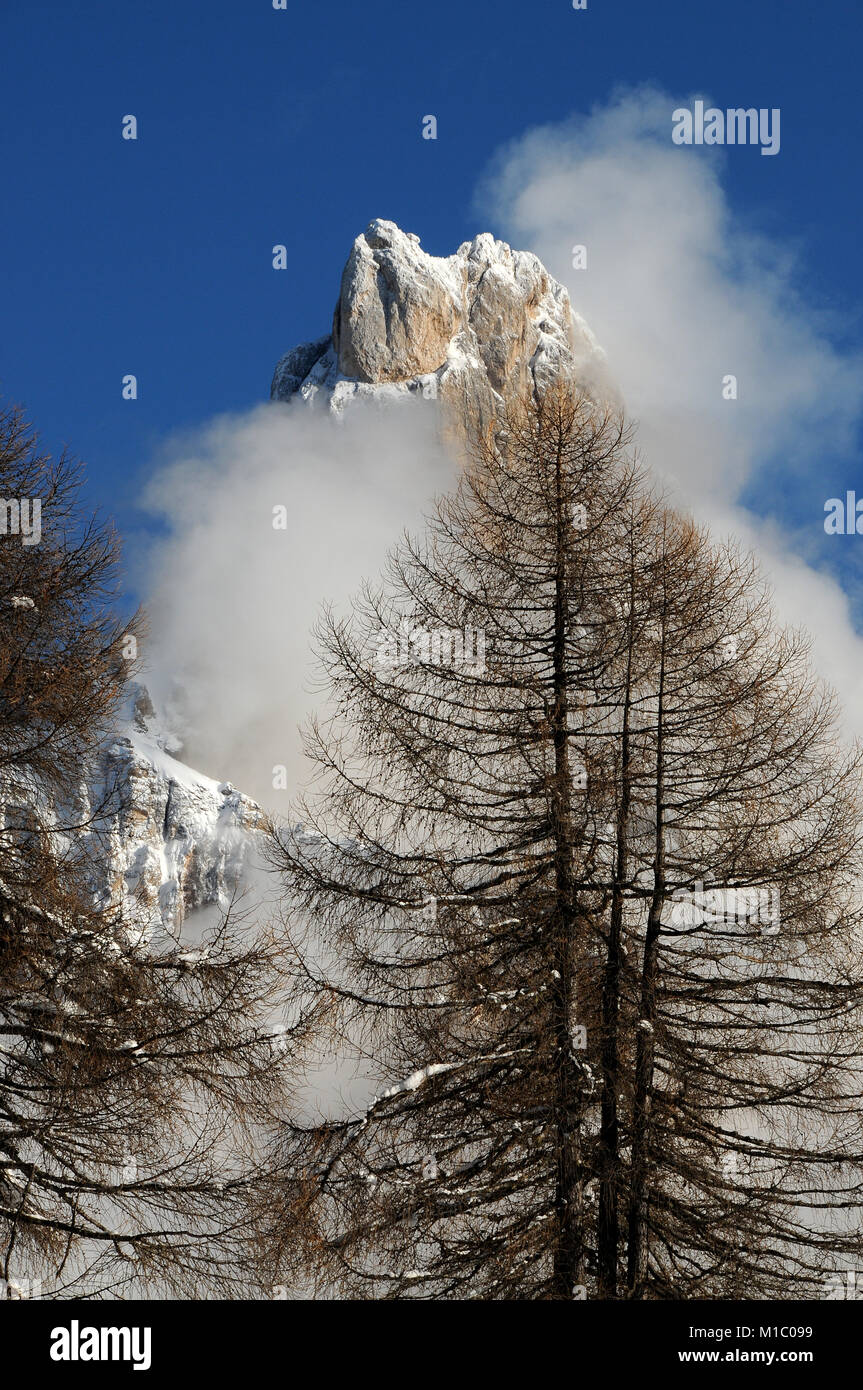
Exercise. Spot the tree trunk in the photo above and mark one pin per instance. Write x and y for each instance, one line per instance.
(569, 1186)
(637, 1252)
(608, 1229)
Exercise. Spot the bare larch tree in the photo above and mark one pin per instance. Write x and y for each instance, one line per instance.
(577, 888)
(131, 1075)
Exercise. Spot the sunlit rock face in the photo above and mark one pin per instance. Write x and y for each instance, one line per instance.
(471, 329)
(165, 840)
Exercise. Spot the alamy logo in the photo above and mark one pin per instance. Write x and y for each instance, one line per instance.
(846, 515)
(727, 907)
(847, 1286)
(736, 126)
(21, 518)
(77, 1343)
(20, 1288)
(437, 646)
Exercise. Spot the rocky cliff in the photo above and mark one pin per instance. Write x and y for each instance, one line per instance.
(169, 840)
(471, 328)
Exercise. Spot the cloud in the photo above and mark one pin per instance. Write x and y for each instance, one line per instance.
(681, 293)
(233, 600)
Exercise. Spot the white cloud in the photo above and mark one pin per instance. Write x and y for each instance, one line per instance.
(233, 600)
(681, 292)
(678, 291)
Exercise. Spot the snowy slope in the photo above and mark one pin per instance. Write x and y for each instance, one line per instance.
(174, 840)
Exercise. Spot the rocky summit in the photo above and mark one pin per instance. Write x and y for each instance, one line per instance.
(472, 328)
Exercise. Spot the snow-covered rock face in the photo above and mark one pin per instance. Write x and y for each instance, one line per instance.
(172, 840)
(472, 328)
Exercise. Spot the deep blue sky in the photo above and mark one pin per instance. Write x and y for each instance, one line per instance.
(259, 126)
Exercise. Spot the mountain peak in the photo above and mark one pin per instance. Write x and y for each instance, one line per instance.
(479, 325)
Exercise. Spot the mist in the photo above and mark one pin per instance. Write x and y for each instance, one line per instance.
(679, 291)
(682, 292)
(233, 598)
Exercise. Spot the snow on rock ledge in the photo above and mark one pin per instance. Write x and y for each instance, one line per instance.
(174, 840)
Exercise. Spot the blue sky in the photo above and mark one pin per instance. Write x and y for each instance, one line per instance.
(259, 126)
